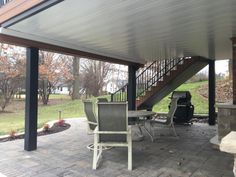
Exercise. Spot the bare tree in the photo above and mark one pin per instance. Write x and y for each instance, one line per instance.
(76, 81)
(53, 69)
(230, 69)
(12, 69)
(93, 76)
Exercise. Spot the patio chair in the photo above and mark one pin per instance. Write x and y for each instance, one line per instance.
(112, 130)
(90, 115)
(102, 100)
(91, 119)
(165, 119)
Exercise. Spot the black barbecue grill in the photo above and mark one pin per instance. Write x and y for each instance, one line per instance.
(185, 109)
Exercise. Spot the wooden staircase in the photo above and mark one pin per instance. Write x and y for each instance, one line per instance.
(161, 78)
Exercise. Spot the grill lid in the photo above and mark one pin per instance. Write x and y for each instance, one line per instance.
(183, 95)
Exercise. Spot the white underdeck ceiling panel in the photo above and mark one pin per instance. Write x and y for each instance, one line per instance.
(138, 30)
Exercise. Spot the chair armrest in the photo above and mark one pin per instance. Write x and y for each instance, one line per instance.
(160, 114)
(93, 123)
(95, 130)
(111, 132)
(129, 129)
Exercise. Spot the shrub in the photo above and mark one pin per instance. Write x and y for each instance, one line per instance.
(12, 134)
(61, 122)
(46, 127)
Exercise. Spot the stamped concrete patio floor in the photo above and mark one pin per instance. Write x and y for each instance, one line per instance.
(65, 154)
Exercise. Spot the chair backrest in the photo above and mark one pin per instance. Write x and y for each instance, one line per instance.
(102, 100)
(113, 117)
(171, 113)
(89, 112)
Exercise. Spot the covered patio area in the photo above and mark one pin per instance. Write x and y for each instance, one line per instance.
(65, 154)
(177, 37)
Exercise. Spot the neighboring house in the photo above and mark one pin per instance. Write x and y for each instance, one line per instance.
(116, 79)
(61, 89)
(114, 85)
(66, 89)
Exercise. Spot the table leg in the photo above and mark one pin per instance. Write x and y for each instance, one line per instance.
(234, 170)
(140, 130)
(149, 132)
(137, 134)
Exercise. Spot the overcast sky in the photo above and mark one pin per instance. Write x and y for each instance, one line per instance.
(221, 67)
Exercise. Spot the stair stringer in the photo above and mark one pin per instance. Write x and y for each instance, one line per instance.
(174, 83)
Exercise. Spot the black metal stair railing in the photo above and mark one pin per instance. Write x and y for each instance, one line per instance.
(3, 2)
(156, 72)
(149, 77)
(121, 94)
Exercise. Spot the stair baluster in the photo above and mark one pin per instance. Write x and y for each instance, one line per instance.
(148, 77)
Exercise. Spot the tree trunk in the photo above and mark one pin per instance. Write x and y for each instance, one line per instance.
(230, 69)
(75, 87)
(45, 91)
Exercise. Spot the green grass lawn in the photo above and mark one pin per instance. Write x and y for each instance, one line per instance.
(70, 109)
(199, 102)
(15, 119)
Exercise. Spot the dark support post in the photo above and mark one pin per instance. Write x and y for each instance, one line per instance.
(31, 102)
(211, 92)
(234, 69)
(132, 87)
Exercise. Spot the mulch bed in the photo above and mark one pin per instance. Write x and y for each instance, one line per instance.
(224, 91)
(54, 129)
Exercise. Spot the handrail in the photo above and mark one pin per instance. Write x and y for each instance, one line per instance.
(146, 69)
(148, 77)
(119, 94)
(120, 88)
(163, 71)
